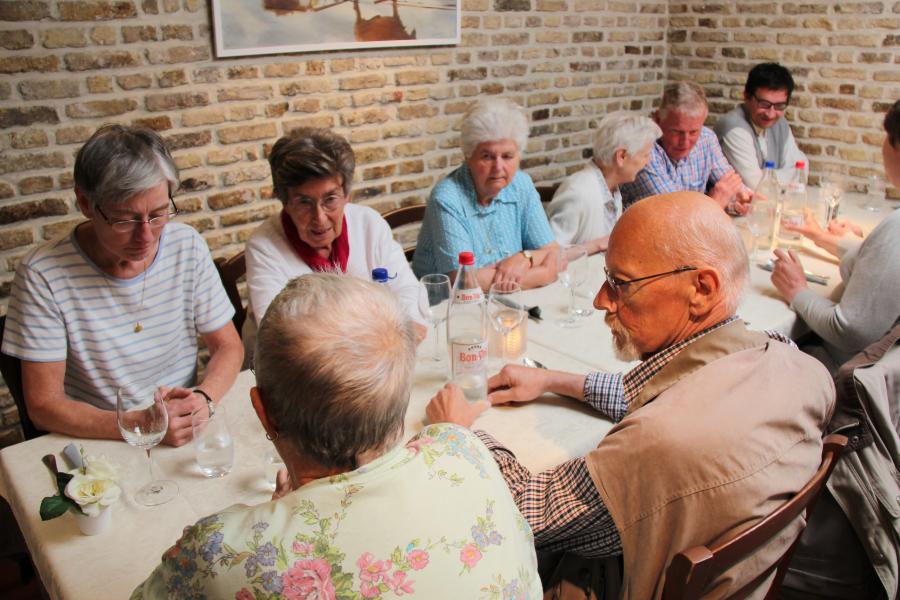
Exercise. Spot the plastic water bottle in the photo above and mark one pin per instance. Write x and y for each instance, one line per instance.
(795, 202)
(764, 210)
(467, 331)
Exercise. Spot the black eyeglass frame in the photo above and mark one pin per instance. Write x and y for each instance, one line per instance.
(615, 284)
(766, 105)
(153, 222)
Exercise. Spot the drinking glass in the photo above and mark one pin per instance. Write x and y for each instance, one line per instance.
(143, 422)
(506, 311)
(875, 196)
(212, 441)
(572, 272)
(760, 223)
(831, 187)
(272, 464)
(434, 306)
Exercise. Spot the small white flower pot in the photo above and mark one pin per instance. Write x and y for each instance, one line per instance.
(94, 525)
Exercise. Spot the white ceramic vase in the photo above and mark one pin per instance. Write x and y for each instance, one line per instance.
(94, 525)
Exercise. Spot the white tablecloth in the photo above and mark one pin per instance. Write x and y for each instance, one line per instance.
(542, 434)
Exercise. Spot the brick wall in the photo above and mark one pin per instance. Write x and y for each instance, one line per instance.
(69, 66)
(845, 58)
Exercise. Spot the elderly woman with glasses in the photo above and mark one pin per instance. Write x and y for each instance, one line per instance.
(318, 229)
(488, 206)
(120, 299)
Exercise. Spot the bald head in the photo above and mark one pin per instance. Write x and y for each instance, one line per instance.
(685, 228)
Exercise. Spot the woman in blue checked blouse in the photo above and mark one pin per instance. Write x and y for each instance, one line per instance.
(488, 206)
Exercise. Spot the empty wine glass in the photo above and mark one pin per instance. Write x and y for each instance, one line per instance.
(572, 272)
(143, 422)
(506, 311)
(434, 305)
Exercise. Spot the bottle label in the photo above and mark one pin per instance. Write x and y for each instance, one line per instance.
(468, 357)
(469, 296)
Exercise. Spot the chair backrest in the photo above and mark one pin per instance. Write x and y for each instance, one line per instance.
(404, 216)
(231, 270)
(691, 570)
(546, 192)
(11, 369)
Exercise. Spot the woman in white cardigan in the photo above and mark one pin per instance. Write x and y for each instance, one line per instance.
(588, 203)
(318, 229)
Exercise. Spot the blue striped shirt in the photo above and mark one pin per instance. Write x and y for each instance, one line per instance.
(64, 308)
(697, 172)
(454, 222)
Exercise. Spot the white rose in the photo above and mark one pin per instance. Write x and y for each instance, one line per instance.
(91, 493)
(100, 467)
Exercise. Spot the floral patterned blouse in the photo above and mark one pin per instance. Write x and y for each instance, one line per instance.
(431, 519)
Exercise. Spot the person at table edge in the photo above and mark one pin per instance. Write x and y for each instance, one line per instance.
(121, 298)
(756, 131)
(687, 156)
(868, 303)
(358, 511)
(714, 428)
(488, 206)
(318, 228)
(588, 202)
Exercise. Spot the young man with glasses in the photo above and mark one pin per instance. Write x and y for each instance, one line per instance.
(121, 299)
(756, 131)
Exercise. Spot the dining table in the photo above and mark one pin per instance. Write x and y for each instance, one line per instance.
(542, 434)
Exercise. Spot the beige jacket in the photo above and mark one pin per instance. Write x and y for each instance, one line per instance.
(718, 439)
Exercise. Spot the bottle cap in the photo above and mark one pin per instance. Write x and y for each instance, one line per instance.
(800, 164)
(466, 258)
(380, 275)
(770, 164)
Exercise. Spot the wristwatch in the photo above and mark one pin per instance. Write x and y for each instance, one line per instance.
(530, 256)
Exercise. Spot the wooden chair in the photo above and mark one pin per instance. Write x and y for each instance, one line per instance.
(404, 216)
(231, 270)
(11, 369)
(546, 192)
(691, 570)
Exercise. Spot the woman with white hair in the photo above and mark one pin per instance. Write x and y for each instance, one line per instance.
(488, 206)
(588, 203)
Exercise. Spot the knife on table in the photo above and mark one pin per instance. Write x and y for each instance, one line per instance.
(534, 312)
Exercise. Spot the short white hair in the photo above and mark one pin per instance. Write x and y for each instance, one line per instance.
(493, 119)
(683, 96)
(623, 129)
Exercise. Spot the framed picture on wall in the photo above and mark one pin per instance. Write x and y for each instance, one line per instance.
(252, 27)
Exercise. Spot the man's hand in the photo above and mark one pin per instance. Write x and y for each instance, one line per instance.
(839, 227)
(726, 188)
(449, 405)
(180, 403)
(511, 268)
(515, 383)
(809, 228)
(742, 201)
(787, 276)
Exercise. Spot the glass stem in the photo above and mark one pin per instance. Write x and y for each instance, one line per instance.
(572, 301)
(150, 465)
(437, 348)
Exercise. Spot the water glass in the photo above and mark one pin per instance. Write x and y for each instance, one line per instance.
(272, 464)
(212, 441)
(572, 272)
(876, 193)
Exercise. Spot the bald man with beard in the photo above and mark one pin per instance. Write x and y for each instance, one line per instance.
(715, 428)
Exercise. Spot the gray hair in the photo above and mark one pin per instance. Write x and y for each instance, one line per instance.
(704, 240)
(683, 96)
(118, 162)
(622, 129)
(334, 365)
(493, 119)
(308, 153)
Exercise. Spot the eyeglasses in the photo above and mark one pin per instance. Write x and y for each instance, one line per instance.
(130, 225)
(766, 105)
(615, 284)
(305, 205)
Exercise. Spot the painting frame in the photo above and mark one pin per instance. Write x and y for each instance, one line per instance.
(229, 43)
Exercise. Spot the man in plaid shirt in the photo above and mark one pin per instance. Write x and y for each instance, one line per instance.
(688, 157)
(660, 299)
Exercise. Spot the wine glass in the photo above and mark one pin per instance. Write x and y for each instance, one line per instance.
(506, 311)
(572, 272)
(434, 306)
(876, 191)
(143, 421)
